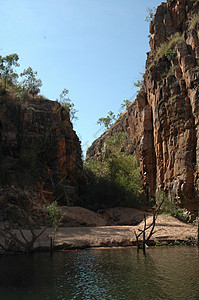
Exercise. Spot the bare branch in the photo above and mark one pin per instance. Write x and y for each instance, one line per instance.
(144, 230)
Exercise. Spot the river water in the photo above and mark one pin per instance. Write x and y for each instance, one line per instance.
(165, 273)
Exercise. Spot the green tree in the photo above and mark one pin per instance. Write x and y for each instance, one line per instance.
(7, 65)
(107, 121)
(150, 14)
(67, 104)
(113, 179)
(30, 82)
(125, 104)
(55, 215)
(138, 84)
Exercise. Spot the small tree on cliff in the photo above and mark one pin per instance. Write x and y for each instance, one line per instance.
(67, 104)
(150, 14)
(30, 82)
(125, 104)
(7, 65)
(107, 121)
(138, 84)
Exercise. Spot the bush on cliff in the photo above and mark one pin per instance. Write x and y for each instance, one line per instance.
(66, 102)
(30, 82)
(114, 180)
(7, 72)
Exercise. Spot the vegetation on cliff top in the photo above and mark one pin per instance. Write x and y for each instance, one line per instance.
(28, 86)
(110, 119)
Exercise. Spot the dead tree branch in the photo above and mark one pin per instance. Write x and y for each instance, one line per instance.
(145, 229)
(12, 235)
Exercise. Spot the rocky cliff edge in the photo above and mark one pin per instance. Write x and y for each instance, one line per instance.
(163, 121)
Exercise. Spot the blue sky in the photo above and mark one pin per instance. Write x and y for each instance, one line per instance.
(94, 48)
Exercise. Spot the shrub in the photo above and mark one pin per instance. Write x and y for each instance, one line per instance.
(176, 242)
(55, 216)
(158, 243)
(170, 54)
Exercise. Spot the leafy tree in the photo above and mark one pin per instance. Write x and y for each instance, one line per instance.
(150, 14)
(67, 104)
(30, 82)
(21, 93)
(107, 121)
(7, 65)
(138, 84)
(114, 178)
(125, 104)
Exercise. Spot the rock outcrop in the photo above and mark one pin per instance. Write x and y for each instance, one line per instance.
(163, 121)
(38, 146)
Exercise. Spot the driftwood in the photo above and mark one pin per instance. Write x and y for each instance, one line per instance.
(143, 232)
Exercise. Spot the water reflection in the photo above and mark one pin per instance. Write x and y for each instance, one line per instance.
(165, 273)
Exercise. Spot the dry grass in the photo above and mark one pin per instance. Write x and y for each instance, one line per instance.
(169, 44)
(193, 21)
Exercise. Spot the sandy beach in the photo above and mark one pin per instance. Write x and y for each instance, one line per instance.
(168, 229)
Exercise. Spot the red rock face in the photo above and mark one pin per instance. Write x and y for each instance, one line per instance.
(38, 145)
(163, 121)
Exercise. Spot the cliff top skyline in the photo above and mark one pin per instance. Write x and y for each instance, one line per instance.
(95, 49)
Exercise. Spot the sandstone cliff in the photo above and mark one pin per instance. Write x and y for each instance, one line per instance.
(38, 146)
(163, 121)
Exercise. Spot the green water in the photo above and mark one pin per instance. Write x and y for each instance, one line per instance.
(165, 273)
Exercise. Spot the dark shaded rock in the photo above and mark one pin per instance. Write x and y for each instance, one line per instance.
(38, 145)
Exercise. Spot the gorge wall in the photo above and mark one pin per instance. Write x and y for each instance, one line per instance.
(163, 121)
(38, 146)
